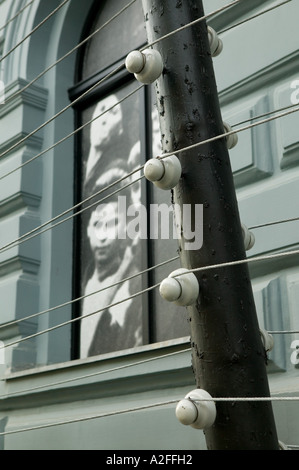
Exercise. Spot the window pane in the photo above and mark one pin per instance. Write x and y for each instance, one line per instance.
(169, 320)
(108, 255)
(117, 39)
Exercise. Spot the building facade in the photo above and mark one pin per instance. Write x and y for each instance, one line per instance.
(81, 367)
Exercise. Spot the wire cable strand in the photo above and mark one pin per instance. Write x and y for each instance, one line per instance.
(62, 140)
(234, 399)
(78, 129)
(83, 126)
(268, 113)
(113, 369)
(254, 16)
(38, 230)
(146, 407)
(109, 109)
(192, 23)
(276, 222)
(59, 113)
(148, 289)
(248, 399)
(286, 332)
(241, 129)
(275, 117)
(107, 76)
(84, 41)
(66, 55)
(78, 299)
(82, 317)
(87, 418)
(17, 14)
(34, 30)
(247, 260)
(95, 374)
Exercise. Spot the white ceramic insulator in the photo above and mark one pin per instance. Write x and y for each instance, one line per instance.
(186, 412)
(135, 62)
(154, 169)
(231, 139)
(189, 287)
(267, 340)
(147, 66)
(248, 237)
(170, 289)
(195, 411)
(216, 45)
(165, 173)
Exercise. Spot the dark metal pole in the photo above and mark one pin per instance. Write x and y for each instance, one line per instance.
(227, 351)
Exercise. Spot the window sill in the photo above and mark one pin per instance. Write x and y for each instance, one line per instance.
(155, 348)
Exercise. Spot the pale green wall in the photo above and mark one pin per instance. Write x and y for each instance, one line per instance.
(254, 74)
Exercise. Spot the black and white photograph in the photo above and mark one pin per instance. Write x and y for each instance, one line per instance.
(109, 256)
(149, 228)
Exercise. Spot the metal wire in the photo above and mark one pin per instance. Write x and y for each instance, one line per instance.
(16, 15)
(84, 41)
(258, 258)
(108, 76)
(70, 302)
(254, 16)
(276, 222)
(86, 124)
(192, 23)
(78, 129)
(73, 320)
(95, 374)
(87, 418)
(148, 289)
(37, 230)
(251, 125)
(145, 407)
(285, 332)
(59, 113)
(34, 30)
(241, 129)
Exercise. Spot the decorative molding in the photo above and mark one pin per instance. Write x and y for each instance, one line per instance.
(28, 252)
(20, 295)
(287, 128)
(264, 78)
(163, 372)
(14, 33)
(249, 163)
(34, 95)
(18, 202)
(30, 106)
(231, 15)
(271, 305)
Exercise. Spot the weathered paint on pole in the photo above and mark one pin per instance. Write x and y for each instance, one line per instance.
(227, 352)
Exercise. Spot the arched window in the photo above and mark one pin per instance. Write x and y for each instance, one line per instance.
(119, 235)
